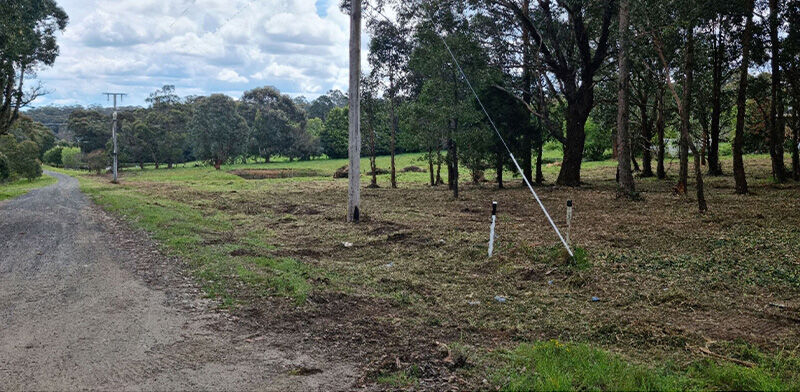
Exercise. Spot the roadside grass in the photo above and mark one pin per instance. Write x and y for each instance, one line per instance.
(651, 281)
(223, 252)
(22, 186)
(556, 366)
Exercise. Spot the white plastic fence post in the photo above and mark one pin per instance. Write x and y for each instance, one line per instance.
(491, 228)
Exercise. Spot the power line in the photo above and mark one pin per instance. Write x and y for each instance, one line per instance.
(224, 23)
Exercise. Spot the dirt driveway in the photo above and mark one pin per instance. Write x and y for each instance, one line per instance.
(85, 303)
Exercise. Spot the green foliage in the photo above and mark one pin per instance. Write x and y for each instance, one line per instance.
(28, 30)
(53, 156)
(27, 129)
(72, 158)
(25, 161)
(598, 141)
(5, 170)
(315, 126)
(92, 129)
(22, 158)
(97, 161)
(217, 129)
(335, 136)
(323, 105)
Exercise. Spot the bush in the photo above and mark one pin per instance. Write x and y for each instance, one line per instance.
(97, 160)
(25, 162)
(53, 156)
(5, 171)
(598, 140)
(71, 158)
(725, 149)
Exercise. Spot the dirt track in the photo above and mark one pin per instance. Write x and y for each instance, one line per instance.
(87, 304)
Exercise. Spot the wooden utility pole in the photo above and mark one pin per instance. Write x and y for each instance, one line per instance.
(354, 171)
(114, 129)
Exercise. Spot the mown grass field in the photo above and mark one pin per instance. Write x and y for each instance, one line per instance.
(664, 299)
(22, 186)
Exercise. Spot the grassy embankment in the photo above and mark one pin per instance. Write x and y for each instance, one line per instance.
(684, 301)
(23, 186)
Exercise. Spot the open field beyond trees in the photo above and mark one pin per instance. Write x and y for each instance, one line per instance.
(659, 297)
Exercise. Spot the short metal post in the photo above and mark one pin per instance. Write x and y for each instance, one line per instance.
(491, 228)
(569, 218)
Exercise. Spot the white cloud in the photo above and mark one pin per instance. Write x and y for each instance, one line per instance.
(200, 46)
(229, 75)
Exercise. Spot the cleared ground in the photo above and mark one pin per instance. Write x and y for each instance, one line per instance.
(682, 299)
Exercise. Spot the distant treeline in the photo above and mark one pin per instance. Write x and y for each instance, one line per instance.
(262, 124)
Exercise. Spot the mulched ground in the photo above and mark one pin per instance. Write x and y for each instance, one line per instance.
(666, 280)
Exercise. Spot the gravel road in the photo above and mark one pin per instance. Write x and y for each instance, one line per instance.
(87, 303)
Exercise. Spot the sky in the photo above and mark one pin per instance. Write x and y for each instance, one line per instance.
(199, 46)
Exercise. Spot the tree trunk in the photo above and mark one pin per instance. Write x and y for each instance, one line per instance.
(439, 180)
(217, 164)
(430, 167)
(714, 167)
(394, 131)
(660, 125)
(452, 160)
(499, 170)
(539, 148)
(776, 127)
(577, 114)
(354, 150)
(527, 84)
(373, 166)
(647, 134)
(686, 112)
(796, 148)
(741, 103)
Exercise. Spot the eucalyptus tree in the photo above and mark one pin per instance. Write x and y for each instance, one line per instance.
(624, 174)
(665, 19)
(572, 38)
(217, 129)
(28, 30)
(776, 123)
(741, 97)
(792, 61)
(721, 30)
(388, 55)
(436, 77)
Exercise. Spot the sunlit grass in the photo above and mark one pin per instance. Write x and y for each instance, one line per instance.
(23, 186)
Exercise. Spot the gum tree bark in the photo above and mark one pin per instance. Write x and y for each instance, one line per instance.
(354, 151)
(741, 103)
(626, 186)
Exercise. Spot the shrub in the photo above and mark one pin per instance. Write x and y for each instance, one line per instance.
(5, 171)
(598, 140)
(53, 156)
(97, 160)
(71, 158)
(25, 161)
(725, 149)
